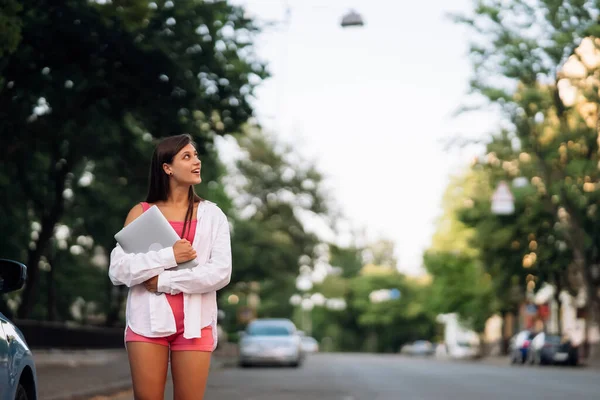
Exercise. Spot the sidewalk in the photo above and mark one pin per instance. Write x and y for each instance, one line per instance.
(85, 374)
(75, 358)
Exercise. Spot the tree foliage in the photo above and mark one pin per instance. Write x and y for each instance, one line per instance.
(87, 90)
(536, 62)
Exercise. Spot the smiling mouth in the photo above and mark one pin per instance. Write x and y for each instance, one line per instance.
(196, 171)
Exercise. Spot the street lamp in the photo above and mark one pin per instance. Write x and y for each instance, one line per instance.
(351, 19)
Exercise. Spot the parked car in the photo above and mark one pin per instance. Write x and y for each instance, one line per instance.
(271, 341)
(419, 348)
(309, 344)
(18, 379)
(552, 349)
(463, 350)
(519, 346)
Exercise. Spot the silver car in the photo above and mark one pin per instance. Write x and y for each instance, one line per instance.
(17, 370)
(271, 341)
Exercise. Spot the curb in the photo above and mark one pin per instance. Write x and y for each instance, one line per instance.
(74, 358)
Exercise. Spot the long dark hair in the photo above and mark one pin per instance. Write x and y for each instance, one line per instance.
(158, 188)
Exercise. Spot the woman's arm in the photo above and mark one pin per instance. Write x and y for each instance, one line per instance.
(209, 277)
(133, 269)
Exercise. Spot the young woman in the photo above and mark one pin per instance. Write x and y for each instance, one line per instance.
(172, 314)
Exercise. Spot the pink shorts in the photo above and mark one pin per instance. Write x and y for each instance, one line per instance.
(176, 341)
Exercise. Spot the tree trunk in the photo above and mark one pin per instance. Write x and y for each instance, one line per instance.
(28, 297)
(559, 306)
(49, 220)
(51, 301)
(484, 347)
(506, 336)
(592, 350)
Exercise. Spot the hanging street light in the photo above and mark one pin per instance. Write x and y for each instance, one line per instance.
(352, 18)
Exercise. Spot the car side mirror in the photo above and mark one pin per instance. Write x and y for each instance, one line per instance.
(13, 275)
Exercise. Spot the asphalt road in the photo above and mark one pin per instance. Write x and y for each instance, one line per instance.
(383, 377)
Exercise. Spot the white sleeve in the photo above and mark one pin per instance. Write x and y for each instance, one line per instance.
(209, 277)
(132, 269)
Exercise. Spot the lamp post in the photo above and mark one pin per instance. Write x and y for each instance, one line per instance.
(350, 19)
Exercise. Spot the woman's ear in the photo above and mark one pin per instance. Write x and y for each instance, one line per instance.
(167, 169)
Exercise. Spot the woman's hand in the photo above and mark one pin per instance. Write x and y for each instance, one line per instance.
(152, 284)
(183, 251)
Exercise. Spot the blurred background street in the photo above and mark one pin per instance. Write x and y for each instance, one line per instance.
(413, 191)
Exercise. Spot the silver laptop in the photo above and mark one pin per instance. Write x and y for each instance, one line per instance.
(150, 232)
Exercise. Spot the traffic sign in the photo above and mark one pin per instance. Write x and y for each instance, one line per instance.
(503, 201)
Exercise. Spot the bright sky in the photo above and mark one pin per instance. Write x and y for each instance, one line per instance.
(372, 106)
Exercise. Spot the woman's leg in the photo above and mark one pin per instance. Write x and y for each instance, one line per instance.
(189, 369)
(149, 363)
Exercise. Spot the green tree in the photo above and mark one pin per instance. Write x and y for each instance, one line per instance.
(272, 189)
(387, 325)
(88, 95)
(491, 259)
(519, 251)
(460, 286)
(349, 259)
(460, 282)
(536, 61)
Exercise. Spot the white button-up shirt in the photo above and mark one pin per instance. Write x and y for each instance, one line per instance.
(150, 315)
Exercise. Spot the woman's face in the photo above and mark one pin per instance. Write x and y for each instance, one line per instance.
(186, 165)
